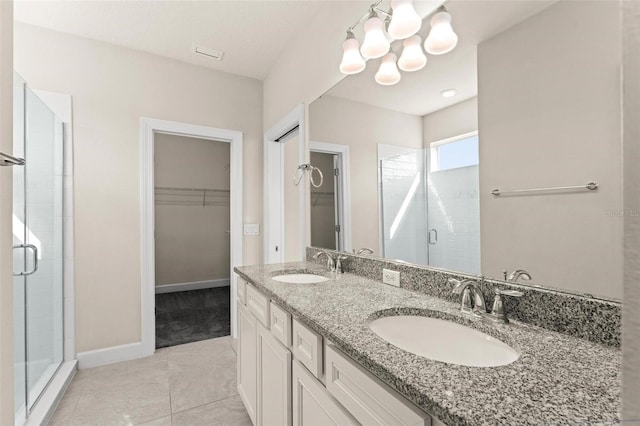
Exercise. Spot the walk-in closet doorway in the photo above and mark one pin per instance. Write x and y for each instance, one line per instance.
(192, 232)
(192, 244)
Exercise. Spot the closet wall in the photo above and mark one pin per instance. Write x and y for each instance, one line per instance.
(192, 242)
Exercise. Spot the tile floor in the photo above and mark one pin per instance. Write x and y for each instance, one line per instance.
(190, 384)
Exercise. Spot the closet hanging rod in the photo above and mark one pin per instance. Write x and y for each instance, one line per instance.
(174, 188)
(591, 186)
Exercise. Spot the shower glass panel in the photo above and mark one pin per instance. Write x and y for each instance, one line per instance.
(403, 204)
(37, 238)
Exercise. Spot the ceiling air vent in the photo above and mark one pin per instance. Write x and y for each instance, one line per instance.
(210, 53)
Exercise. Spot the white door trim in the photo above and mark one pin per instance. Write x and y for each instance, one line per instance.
(274, 176)
(148, 127)
(343, 152)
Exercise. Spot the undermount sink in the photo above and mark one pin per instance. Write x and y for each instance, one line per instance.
(444, 341)
(300, 278)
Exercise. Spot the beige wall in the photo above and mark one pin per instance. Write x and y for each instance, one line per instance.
(192, 241)
(308, 66)
(549, 115)
(112, 87)
(362, 127)
(453, 121)
(6, 201)
(631, 318)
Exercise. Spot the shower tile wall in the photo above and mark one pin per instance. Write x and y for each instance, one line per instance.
(454, 211)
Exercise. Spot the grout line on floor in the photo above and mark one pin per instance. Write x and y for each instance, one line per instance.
(202, 405)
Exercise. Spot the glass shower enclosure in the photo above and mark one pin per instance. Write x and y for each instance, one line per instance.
(37, 247)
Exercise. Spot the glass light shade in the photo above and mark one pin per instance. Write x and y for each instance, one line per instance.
(412, 58)
(405, 22)
(375, 43)
(441, 39)
(388, 73)
(352, 62)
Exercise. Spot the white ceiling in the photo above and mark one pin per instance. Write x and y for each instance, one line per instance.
(418, 93)
(252, 34)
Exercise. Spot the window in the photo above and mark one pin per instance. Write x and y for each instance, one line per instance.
(460, 151)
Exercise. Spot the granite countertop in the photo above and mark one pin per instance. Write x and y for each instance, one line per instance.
(558, 379)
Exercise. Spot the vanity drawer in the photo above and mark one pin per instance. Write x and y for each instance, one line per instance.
(258, 305)
(307, 348)
(365, 396)
(281, 324)
(242, 291)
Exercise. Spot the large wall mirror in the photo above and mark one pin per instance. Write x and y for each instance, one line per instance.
(528, 100)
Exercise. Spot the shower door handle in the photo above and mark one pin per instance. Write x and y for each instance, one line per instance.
(432, 236)
(34, 249)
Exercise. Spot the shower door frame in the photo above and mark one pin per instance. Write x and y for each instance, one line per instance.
(43, 408)
(148, 128)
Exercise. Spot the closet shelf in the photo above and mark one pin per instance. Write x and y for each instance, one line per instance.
(184, 196)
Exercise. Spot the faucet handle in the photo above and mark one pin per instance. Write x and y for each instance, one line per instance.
(339, 260)
(457, 289)
(499, 312)
(512, 293)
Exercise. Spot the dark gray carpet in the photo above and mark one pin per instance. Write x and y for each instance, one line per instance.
(190, 316)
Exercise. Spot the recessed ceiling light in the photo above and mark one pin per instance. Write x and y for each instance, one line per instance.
(206, 51)
(448, 93)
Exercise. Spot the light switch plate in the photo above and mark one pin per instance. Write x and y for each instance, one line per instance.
(251, 229)
(391, 277)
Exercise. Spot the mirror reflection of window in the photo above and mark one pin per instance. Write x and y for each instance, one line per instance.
(453, 204)
(462, 151)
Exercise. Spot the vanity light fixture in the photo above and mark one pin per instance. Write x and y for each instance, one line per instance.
(448, 93)
(375, 43)
(441, 39)
(412, 58)
(405, 22)
(388, 74)
(352, 61)
(402, 23)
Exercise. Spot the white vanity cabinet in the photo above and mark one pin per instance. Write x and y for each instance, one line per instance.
(289, 375)
(370, 400)
(264, 363)
(312, 404)
(274, 380)
(247, 365)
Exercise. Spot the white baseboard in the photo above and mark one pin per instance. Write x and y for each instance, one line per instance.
(195, 285)
(110, 355)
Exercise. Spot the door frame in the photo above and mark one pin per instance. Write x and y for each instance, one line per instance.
(274, 178)
(148, 128)
(342, 151)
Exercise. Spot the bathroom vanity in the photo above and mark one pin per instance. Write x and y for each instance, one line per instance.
(307, 355)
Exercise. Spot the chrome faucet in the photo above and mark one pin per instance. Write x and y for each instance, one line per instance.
(365, 250)
(339, 259)
(515, 275)
(331, 264)
(472, 297)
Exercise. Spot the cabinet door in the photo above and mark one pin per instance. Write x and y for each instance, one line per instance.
(312, 405)
(274, 381)
(370, 400)
(247, 360)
